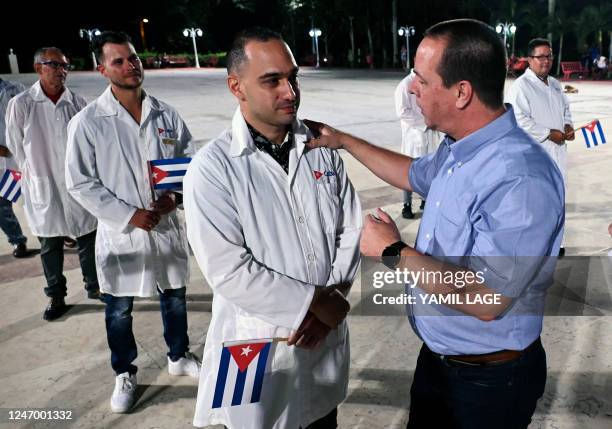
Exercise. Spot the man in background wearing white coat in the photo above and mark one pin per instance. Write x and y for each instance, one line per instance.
(36, 122)
(541, 108)
(275, 229)
(141, 248)
(417, 139)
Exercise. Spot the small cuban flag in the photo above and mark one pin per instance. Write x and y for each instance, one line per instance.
(10, 185)
(168, 173)
(593, 134)
(241, 372)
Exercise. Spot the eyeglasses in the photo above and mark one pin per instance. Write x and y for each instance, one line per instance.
(543, 57)
(56, 65)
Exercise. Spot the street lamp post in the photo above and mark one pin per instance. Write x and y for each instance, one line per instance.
(508, 29)
(407, 31)
(142, 22)
(193, 32)
(315, 33)
(90, 34)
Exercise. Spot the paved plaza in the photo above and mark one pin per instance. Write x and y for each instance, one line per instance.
(65, 364)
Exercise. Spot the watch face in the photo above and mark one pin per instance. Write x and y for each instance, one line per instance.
(391, 256)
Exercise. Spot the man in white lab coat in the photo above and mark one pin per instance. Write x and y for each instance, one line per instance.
(36, 122)
(141, 246)
(8, 221)
(417, 139)
(541, 108)
(275, 229)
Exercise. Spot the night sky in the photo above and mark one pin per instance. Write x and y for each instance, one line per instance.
(28, 25)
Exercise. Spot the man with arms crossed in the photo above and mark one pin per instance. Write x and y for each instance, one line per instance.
(275, 229)
(141, 247)
(495, 206)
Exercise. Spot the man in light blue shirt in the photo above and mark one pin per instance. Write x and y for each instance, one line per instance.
(494, 213)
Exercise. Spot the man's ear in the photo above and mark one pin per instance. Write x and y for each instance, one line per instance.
(37, 67)
(233, 83)
(465, 92)
(101, 69)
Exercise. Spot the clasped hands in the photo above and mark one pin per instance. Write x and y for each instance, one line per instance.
(327, 310)
(559, 137)
(148, 219)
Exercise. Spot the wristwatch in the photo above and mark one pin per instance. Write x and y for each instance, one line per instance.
(392, 254)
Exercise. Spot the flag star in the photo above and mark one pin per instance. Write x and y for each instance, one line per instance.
(246, 350)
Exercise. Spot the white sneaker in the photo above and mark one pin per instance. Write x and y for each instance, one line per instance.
(189, 365)
(123, 395)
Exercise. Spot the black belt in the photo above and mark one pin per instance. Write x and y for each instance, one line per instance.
(489, 359)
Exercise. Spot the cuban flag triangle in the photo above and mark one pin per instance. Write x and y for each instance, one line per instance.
(10, 185)
(241, 372)
(593, 134)
(168, 173)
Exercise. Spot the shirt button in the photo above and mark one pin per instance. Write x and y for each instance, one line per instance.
(301, 219)
(459, 163)
(311, 257)
(427, 235)
(437, 203)
(450, 170)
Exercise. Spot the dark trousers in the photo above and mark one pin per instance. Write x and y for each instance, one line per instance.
(52, 257)
(9, 223)
(120, 335)
(451, 395)
(330, 421)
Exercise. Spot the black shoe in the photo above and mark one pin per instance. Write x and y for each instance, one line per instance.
(407, 211)
(95, 295)
(69, 242)
(20, 250)
(561, 252)
(56, 308)
(422, 205)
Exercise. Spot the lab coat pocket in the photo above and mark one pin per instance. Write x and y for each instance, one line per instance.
(329, 204)
(118, 243)
(39, 190)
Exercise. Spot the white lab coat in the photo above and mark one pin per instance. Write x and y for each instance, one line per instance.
(417, 139)
(263, 239)
(538, 109)
(7, 91)
(36, 136)
(107, 172)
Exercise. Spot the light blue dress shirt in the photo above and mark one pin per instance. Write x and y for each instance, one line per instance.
(495, 204)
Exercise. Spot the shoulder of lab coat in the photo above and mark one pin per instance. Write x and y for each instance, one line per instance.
(567, 116)
(82, 180)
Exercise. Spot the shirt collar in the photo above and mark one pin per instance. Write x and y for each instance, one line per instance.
(39, 95)
(534, 77)
(242, 142)
(108, 105)
(465, 149)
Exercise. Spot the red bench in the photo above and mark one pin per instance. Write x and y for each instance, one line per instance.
(570, 67)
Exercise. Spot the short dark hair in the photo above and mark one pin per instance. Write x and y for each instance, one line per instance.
(474, 53)
(236, 56)
(116, 37)
(534, 43)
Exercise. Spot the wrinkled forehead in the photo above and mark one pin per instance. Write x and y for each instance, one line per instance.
(53, 55)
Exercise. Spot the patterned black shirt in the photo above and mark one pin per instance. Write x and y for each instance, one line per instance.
(280, 153)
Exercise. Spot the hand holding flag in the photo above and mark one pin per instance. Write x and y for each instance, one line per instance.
(10, 185)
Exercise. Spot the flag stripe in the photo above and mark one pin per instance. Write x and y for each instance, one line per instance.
(170, 185)
(175, 173)
(239, 387)
(585, 134)
(170, 161)
(221, 378)
(9, 189)
(5, 177)
(601, 134)
(259, 375)
(172, 167)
